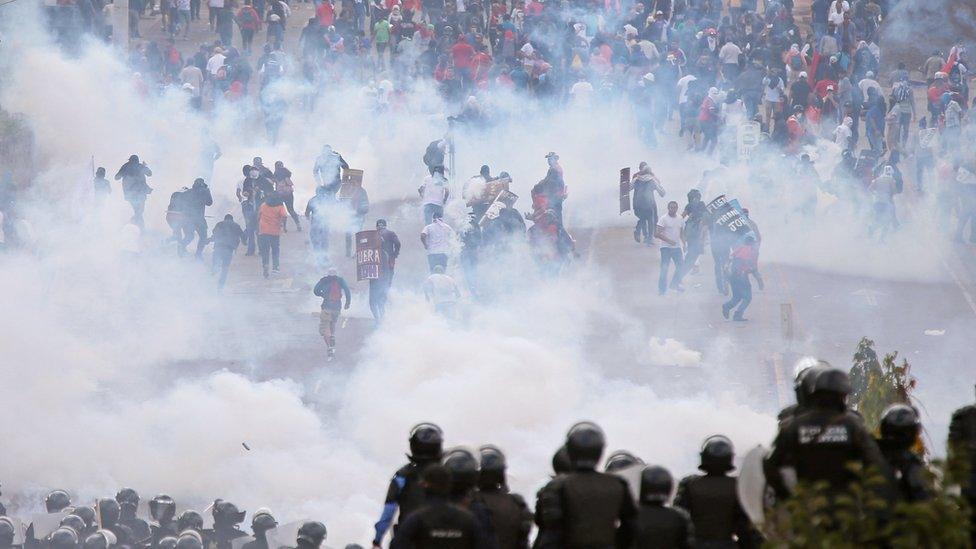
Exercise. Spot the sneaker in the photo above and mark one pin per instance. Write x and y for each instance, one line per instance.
(275, 270)
(637, 236)
(739, 318)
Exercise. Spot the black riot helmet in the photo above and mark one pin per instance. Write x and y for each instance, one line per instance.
(86, 513)
(74, 522)
(162, 508)
(262, 521)
(463, 467)
(493, 467)
(807, 369)
(226, 513)
(584, 443)
(426, 443)
(169, 542)
(7, 531)
(312, 534)
(189, 539)
(716, 455)
(63, 538)
(190, 520)
(560, 461)
(900, 425)
(656, 484)
(102, 539)
(108, 512)
(56, 501)
(830, 388)
(621, 459)
(128, 502)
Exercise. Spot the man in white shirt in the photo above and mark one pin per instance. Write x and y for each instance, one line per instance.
(869, 82)
(438, 239)
(441, 290)
(669, 229)
(729, 55)
(434, 194)
(216, 61)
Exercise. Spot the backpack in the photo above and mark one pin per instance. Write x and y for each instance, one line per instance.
(247, 18)
(901, 93)
(433, 154)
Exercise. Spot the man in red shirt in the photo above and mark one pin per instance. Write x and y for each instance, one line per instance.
(463, 53)
(743, 262)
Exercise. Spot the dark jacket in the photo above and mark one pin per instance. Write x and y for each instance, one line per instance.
(331, 289)
(227, 234)
(439, 525)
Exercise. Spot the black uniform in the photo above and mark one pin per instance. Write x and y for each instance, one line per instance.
(716, 514)
(163, 530)
(818, 444)
(406, 494)
(510, 517)
(908, 470)
(439, 525)
(590, 509)
(660, 527)
(962, 456)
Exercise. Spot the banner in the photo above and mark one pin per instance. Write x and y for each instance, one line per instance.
(493, 188)
(624, 189)
(369, 255)
(504, 199)
(351, 180)
(728, 215)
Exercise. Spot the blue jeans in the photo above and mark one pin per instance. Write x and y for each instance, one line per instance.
(669, 255)
(741, 294)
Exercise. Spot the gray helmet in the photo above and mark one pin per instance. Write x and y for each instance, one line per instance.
(312, 533)
(492, 467)
(189, 539)
(63, 538)
(162, 508)
(57, 500)
(463, 467)
(621, 459)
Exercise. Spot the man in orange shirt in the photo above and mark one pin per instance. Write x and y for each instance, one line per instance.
(270, 218)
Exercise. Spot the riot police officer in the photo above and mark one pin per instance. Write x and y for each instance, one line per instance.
(899, 432)
(590, 509)
(464, 469)
(101, 539)
(261, 522)
(806, 373)
(820, 442)
(439, 523)
(405, 492)
(189, 539)
(62, 538)
(711, 499)
(87, 514)
(226, 517)
(510, 515)
(162, 509)
(620, 460)
(7, 532)
(660, 526)
(961, 457)
(311, 535)
(109, 512)
(128, 501)
(190, 520)
(546, 497)
(55, 502)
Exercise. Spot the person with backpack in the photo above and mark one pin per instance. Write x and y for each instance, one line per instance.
(227, 235)
(249, 22)
(902, 105)
(331, 288)
(434, 155)
(286, 190)
(195, 202)
(176, 219)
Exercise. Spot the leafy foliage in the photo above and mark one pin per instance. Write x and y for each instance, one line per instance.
(862, 517)
(875, 384)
